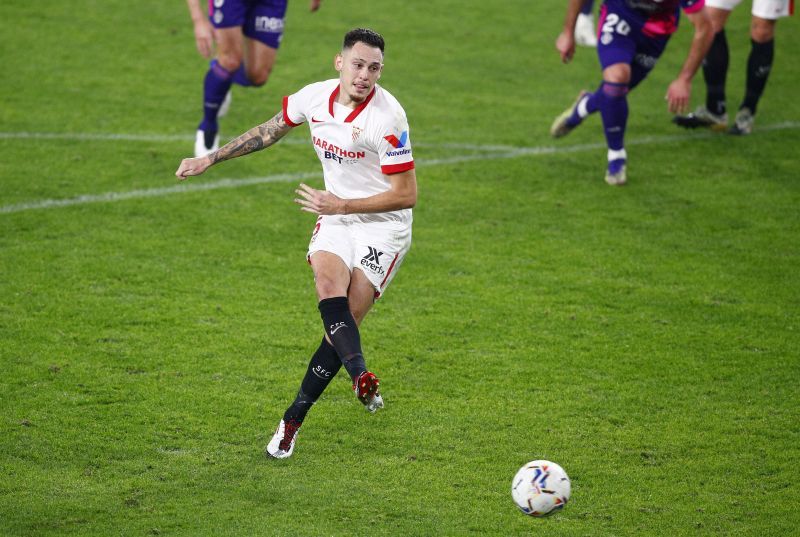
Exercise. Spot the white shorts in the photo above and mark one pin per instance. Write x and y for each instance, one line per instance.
(765, 9)
(376, 248)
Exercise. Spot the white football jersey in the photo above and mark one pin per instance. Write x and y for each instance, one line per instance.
(357, 147)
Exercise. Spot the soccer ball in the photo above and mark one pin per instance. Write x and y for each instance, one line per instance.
(540, 488)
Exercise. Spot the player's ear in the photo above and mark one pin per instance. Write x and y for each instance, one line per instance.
(338, 62)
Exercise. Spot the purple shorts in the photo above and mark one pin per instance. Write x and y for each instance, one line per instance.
(622, 39)
(261, 20)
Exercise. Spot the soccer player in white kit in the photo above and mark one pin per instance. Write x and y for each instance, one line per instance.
(765, 15)
(363, 229)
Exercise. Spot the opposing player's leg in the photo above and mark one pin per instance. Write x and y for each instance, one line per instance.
(253, 71)
(612, 99)
(572, 116)
(216, 85)
(257, 66)
(616, 50)
(715, 70)
(263, 31)
(759, 62)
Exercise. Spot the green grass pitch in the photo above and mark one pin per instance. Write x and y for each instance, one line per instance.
(645, 338)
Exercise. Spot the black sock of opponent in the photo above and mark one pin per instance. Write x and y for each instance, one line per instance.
(343, 332)
(321, 369)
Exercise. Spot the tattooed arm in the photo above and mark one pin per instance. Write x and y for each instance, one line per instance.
(253, 140)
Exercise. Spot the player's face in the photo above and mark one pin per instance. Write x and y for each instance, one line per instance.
(359, 69)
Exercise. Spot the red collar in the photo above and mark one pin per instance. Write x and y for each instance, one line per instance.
(356, 111)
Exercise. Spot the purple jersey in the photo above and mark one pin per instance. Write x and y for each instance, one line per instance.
(261, 20)
(654, 17)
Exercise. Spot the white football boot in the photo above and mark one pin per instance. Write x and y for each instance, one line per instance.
(618, 177)
(560, 126)
(617, 173)
(282, 444)
(743, 124)
(200, 149)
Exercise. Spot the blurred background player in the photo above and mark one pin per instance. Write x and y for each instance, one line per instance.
(633, 34)
(585, 30)
(247, 34)
(765, 15)
(360, 134)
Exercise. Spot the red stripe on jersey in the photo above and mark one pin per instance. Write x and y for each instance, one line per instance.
(360, 107)
(286, 114)
(389, 169)
(333, 98)
(356, 111)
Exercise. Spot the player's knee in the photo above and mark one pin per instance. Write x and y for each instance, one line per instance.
(718, 19)
(230, 60)
(328, 287)
(762, 30)
(617, 74)
(358, 314)
(258, 77)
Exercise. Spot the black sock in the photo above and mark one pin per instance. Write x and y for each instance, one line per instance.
(321, 369)
(759, 65)
(715, 70)
(343, 332)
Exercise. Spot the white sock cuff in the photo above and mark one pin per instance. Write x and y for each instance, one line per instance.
(582, 112)
(614, 154)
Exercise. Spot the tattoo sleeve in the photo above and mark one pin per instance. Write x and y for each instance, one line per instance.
(253, 140)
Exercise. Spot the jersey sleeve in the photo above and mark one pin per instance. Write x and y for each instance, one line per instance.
(692, 6)
(394, 147)
(295, 106)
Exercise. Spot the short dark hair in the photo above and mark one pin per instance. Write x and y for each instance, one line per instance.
(363, 35)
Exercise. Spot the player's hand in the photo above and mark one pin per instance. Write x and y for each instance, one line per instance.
(678, 95)
(204, 38)
(314, 5)
(565, 44)
(318, 201)
(192, 166)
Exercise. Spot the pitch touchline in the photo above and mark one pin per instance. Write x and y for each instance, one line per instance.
(512, 152)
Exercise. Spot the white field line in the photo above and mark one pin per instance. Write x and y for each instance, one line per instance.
(502, 152)
(157, 192)
(113, 137)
